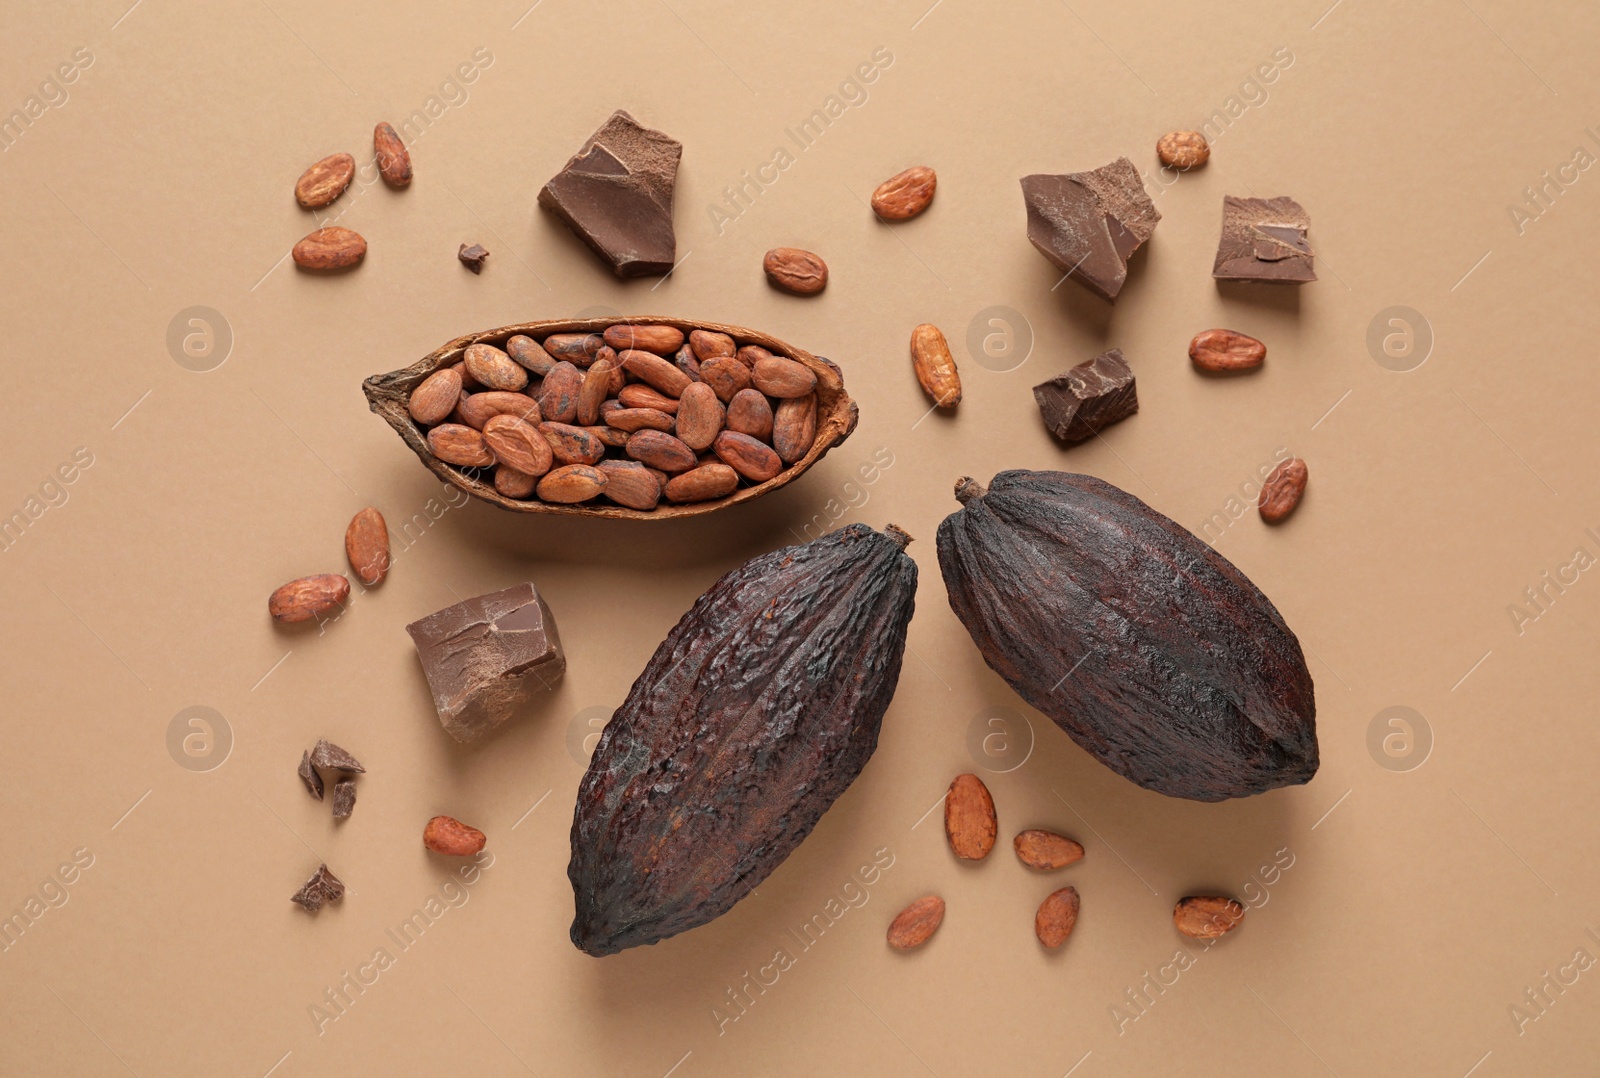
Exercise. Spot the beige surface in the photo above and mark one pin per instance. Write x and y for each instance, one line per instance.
(1419, 905)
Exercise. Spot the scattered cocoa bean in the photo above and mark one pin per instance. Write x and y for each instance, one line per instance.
(1225, 351)
(935, 366)
(1182, 149)
(324, 181)
(328, 249)
(916, 924)
(451, 837)
(366, 544)
(1205, 917)
(1057, 915)
(796, 271)
(308, 597)
(905, 194)
(1046, 849)
(394, 160)
(969, 819)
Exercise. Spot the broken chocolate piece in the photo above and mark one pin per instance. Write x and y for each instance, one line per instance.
(309, 776)
(616, 195)
(1089, 223)
(1087, 399)
(323, 886)
(1264, 239)
(331, 757)
(344, 798)
(472, 257)
(486, 656)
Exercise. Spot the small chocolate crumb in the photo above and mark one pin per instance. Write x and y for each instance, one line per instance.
(323, 886)
(333, 758)
(309, 776)
(472, 257)
(344, 798)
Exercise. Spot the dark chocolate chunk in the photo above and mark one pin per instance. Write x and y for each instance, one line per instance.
(1087, 399)
(1264, 239)
(486, 656)
(472, 257)
(616, 194)
(331, 757)
(309, 776)
(344, 798)
(1089, 223)
(323, 886)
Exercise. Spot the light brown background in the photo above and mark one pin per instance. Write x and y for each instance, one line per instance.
(1420, 904)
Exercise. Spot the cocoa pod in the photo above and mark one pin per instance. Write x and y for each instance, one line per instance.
(1205, 917)
(916, 924)
(754, 715)
(794, 427)
(701, 484)
(1057, 916)
(750, 413)
(1282, 490)
(1046, 849)
(304, 599)
(394, 160)
(969, 820)
(630, 483)
(1154, 653)
(493, 368)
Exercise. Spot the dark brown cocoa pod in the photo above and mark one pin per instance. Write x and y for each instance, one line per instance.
(759, 709)
(1150, 649)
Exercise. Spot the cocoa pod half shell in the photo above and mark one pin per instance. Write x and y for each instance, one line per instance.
(759, 709)
(1149, 648)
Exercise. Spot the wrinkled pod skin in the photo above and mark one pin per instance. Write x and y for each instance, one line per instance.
(759, 709)
(1156, 655)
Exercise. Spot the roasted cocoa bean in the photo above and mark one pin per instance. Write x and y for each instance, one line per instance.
(558, 396)
(662, 340)
(759, 709)
(701, 483)
(725, 376)
(750, 413)
(752, 459)
(571, 445)
(700, 416)
(493, 368)
(662, 451)
(571, 483)
(526, 352)
(518, 443)
(783, 378)
(794, 427)
(631, 484)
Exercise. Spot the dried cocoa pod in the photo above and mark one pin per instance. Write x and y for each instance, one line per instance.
(794, 427)
(759, 709)
(1154, 653)
(750, 413)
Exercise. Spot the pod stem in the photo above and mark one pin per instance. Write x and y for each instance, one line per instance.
(968, 488)
(898, 534)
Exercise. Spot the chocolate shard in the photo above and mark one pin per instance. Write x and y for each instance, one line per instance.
(1080, 403)
(1264, 239)
(472, 256)
(309, 776)
(1089, 223)
(331, 757)
(486, 656)
(616, 195)
(344, 798)
(323, 886)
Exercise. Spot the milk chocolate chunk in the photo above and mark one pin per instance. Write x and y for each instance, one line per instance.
(1089, 223)
(1264, 239)
(472, 256)
(331, 757)
(616, 195)
(1090, 397)
(486, 656)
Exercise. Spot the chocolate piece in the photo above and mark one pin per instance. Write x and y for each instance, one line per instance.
(616, 194)
(472, 257)
(1087, 399)
(344, 798)
(1264, 239)
(331, 757)
(1089, 223)
(309, 776)
(485, 656)
(323, 886)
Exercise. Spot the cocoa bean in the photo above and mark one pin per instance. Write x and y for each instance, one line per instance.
(1205, 917)
(512, 483)
(969, 820)
(518, 443)
(701, 484)
(1057, 916)
(493, 368)
(783, 378)
(794, 427)
(642, 396)
(558, 397)
(660, 450)
(478, 408)
(526, 352)
(631, 484)
(451, 837)
(750, 413)
(1282, 490)
(935, 366)
(394, 160)
(905, 194)
(659, 373)
(1226, 351)
(308, 597)
(329, 249)
(750, 458)
(579, 349)
(700, 416)
(571, 483)
(751, 354)
(916, 924)
(1046, 849)
(796, 271)
(324, 181)
(593, 391)
(571, 445)
(435, 396)
(634, 419)
(662, 340)
(1183, 149)
(366, 545)
(725, 377)
(708, 344)
(459, 445)
(687, 362)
